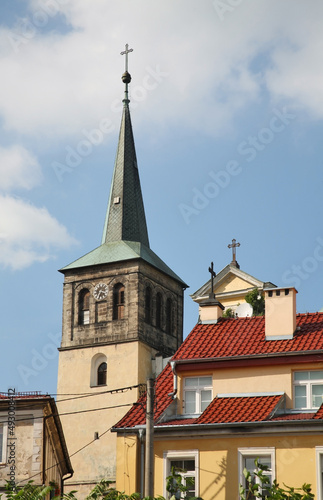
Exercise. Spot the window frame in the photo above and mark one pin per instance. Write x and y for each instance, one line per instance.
(148, 305)
(319, 471)
(169, 316)
(308, 384)
(102, 373)
(159, 310)
(197, 389)
(256, 452)
(84, 312)
(97, 361)
(170, 455)
(3, 454)
(118, 302)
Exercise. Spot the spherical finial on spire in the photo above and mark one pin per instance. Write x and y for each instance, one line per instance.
(126, 77)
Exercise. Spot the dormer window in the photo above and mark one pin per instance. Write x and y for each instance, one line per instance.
(308, 389)
(197, 394)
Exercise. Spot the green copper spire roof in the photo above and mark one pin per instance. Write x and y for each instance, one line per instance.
(125, 219)
(125, 234)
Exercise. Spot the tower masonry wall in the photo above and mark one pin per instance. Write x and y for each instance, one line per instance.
(102, 328)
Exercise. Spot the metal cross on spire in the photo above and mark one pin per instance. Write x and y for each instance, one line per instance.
(234, 245)
(126, 77)
(126, 52)
(213, 274)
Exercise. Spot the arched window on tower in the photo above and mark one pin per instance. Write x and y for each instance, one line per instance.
(159, 308)
(102, 374)
(118, 301)
(169, 318)
(148, 305)
(84, 307)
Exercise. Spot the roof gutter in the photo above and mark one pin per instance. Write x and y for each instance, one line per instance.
(249, 357)
(234, 427)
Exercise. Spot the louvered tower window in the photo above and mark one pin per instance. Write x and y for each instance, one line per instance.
(169, 318)
(159, 307)
(118, 301)
(84, 307)
(148, 305)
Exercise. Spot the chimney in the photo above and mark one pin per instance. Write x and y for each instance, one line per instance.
(210, 310)
(280, 313)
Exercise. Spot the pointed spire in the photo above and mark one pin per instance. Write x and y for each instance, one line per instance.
(125, 218)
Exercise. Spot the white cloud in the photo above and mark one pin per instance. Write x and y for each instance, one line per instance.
(57, 84)
(18, 169)
(29, 234)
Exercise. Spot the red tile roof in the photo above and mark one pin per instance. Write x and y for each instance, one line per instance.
(137, 414)
(230, 338)
(246, 337)
(239, 409)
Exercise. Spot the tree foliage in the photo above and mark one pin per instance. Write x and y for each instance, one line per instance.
(266, 491)
(257, 301)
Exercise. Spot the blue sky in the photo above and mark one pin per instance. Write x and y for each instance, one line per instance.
(227, 108)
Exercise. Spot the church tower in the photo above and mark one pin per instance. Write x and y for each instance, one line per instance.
(122, 307)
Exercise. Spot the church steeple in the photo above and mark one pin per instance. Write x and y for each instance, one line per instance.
(125, 218)
(125, 234)
(122, 308)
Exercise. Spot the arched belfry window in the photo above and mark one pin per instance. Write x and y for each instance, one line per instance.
(169, 316)
(159, 308)
(118, 301)
(148, 305)
(102, 374)
(84, 307)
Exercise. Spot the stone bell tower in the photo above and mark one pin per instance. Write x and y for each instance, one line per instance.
(122, 306)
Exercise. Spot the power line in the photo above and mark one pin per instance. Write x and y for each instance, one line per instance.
(61, 461)
(67, 413)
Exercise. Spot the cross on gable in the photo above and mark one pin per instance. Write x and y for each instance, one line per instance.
(234, 245)
(213, 274)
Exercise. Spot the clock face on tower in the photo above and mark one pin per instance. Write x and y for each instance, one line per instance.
(100, 291)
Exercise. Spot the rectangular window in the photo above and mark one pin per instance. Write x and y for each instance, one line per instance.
(247, 458)
(1, 441)
(308, 389)
(319, 472)
(183, 466)
(197, 394)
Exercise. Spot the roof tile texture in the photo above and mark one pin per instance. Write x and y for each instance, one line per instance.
(230, 338)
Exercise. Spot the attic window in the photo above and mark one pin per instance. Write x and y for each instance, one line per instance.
(197, 394)
(308, 389)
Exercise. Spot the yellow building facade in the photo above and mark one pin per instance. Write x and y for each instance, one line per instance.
(237, 389)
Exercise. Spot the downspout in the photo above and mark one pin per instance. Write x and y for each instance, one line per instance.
(142, 461)
(173, 366)
(62, 482)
